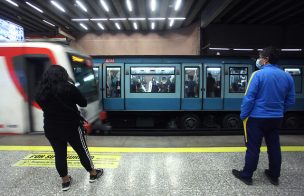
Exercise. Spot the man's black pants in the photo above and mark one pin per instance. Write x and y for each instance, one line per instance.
(256, 128)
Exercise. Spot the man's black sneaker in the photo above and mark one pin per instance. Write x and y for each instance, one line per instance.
(274, 181)
(99, 173)
(66, 185)
(237, 174)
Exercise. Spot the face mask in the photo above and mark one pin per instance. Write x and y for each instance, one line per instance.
(258, 63)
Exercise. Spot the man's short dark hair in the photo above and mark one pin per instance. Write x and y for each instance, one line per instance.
(271, 53)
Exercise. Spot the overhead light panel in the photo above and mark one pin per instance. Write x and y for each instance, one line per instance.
(13, 3)
(242, 49)
(291, 50)
(117, 19)
(47, 22)
(135, 25)
(136, 18)
(58, 6)
(129, 5)
(177, 4)
(152, 25)
(156, 18)
(98, 19)
(83, 26)
(218, 48)
(81, 6)
(104, 5)
(101, 26)
(80, 19)
(171, 23)
(117, 25)
(177, 18)
(35, 7)
(153, 5)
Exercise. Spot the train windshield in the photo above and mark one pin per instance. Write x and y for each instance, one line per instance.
(84, 76)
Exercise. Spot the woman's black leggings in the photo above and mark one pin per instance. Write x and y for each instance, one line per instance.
(78, 143)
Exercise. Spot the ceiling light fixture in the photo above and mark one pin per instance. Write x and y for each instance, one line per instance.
(171, 23)
(98, 19)
(36, 8)
(129, 5)
(83, 26)
(48, 23)
(104, 5)
(117, 19)
(152, 25)
(135, 25)
(58, 6)
(177, 18)
(177, 4)
(80, 19)
(101, 26)
(156, 18)
(242, 49)
(13, 3)
(153, 5)
(291, 49)
(81, 6)
(136, 18)
(218, 48)
(117, 25)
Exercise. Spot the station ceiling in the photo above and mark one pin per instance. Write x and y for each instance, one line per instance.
(116, 15)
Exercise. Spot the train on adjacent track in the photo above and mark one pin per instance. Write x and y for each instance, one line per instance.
(187, 93)
(21, 67)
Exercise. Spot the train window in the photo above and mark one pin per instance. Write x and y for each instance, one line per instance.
(113, 82)
(296, 74)
(238, 78)
(213, 80)
(84, 77)
(152, 80)
(192, 79)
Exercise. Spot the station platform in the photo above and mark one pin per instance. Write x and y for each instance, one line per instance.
(149, 165)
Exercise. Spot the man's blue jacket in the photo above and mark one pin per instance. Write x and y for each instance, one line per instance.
(269, 93)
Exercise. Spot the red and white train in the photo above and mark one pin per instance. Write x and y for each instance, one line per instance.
(21, 67)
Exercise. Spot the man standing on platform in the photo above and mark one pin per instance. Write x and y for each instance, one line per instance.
(269, 93)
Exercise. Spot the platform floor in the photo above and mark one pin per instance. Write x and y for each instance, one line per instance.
(195, 165)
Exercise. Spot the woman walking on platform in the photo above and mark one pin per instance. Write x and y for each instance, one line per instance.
(58, 97)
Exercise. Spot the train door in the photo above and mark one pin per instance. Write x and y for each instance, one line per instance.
(113, 86)
(236, 80)
(213, 87)
(297, 74)
(29, 69)
(191, 98)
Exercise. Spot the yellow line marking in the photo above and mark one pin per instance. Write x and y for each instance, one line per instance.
(47, 159)
(151, 150)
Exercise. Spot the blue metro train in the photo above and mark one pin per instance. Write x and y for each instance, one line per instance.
(183, 92)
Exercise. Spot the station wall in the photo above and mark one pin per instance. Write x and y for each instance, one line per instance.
(184, 41)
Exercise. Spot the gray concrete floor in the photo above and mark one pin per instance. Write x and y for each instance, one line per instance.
(168, 174)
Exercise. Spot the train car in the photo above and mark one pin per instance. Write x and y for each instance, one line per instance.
(21, 67)
(183, 92)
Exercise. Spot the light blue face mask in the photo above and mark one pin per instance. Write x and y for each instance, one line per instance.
(258, 63)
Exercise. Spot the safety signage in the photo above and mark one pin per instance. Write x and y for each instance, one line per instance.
(48, 160)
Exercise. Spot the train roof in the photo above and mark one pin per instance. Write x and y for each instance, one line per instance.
(53, 46)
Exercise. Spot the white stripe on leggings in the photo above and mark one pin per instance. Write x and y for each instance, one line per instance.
(85, 146)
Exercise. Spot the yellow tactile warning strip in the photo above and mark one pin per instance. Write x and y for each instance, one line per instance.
(47, 159)
(151, 150)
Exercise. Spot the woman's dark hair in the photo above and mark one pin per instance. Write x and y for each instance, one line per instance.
(271, 53)
(48, 84)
